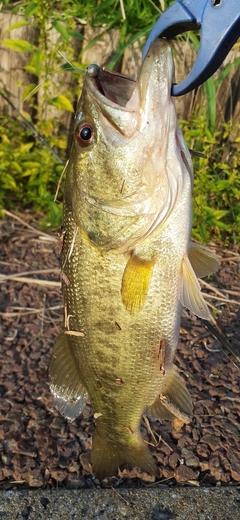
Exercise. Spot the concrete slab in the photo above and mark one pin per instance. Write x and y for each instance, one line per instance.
(176, 503)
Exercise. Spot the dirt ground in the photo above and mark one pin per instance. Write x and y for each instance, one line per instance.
(39, 448)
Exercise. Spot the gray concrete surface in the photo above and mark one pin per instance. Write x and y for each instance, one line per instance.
(176, 503)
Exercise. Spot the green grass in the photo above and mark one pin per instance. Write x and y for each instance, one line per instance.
(216, 193)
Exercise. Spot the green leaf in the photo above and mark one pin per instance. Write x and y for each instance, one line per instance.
(26, 147)
(203, 231)
(211, 102)
(61, 29)
(15, 166)
(29, 91)
(226, 71)
(31, 173)
(31, 8)
(16, 26)
(10, 182)
(194, 39)
(26, 115)
(62, 103)
(222, 185)
(76, 35)
(35, 65)
(31, 165)
(74, 67)
(53, 218)
(210, 90)
(5, 139)
(223, 166)
(19, 45)
(219, 213)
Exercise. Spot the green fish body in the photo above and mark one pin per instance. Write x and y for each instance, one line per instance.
(128, 264)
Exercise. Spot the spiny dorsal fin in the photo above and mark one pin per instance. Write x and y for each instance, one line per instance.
(68, 391)
(135, 283)
(202, 259)
(190, 292)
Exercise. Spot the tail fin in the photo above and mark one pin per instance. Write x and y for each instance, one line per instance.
(108, 457)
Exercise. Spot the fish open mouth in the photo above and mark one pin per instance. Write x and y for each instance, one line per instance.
(113, 86)
(153, 85)
(128, 105)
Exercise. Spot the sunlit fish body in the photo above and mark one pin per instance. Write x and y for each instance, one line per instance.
(128, 264)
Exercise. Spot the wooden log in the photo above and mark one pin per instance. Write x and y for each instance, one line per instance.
(13, 77)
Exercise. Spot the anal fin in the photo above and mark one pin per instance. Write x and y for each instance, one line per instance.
(69, 393)
(135, 283)
(174, 402)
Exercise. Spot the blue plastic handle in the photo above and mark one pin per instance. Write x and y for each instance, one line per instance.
(219, 22)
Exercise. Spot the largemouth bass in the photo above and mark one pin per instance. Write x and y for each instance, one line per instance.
(128, 264)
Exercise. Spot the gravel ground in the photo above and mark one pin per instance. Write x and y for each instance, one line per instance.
(157, 504)
(41, 449)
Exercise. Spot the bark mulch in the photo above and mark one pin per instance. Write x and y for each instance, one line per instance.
(38, 447)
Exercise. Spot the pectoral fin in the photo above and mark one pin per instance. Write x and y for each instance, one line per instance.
(202, 259)
(65, 384)
(174, 401)
(135, 283)
(190, 292)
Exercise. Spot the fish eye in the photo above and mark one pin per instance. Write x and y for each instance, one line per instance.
(85, 133)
